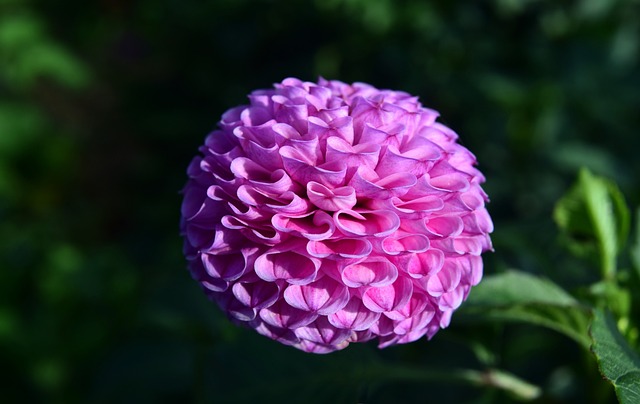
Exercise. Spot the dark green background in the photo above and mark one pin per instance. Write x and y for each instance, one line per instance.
(104, 103)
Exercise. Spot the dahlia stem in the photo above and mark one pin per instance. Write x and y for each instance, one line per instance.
(495, 378)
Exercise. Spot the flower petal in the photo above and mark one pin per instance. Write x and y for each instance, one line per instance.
(374, 271)
(291, 266)
(388, 298)
(324, 296)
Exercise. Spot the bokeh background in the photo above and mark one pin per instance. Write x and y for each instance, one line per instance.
(104, 103)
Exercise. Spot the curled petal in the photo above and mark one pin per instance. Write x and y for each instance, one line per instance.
(341, 198)
(396, 244)
(416, 161)
(452, 299)
(424, 264)
(316, 225)
(417, 208)
(445, 226)
(303, 169)
(197, 207)
(234, 308)
(454, 182)
(444, 280)
(256, 295)
(228, 266)
(322, 332)
(324, 296)
(340, 248)
(388, 298)
(281, 315)
(317, 348)
(354, 316)
(368, 184)
(338, 126)
(374, 271)
(365, 154)
(374, 223)
(291, 266)
(283, 335)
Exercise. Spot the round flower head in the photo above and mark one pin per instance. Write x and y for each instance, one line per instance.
(325, 213)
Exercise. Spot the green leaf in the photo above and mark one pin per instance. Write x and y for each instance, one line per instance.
(521, 297)
(594, 219)
(618, 363)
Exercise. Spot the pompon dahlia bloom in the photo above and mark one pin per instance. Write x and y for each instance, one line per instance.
(325, 213)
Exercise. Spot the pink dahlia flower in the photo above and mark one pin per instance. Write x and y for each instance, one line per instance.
(325, 213)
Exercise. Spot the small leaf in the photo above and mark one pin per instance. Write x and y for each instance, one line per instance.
(618, 363)
(594, 218)
(521, 297)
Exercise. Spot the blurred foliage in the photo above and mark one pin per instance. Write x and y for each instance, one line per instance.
(103, 104)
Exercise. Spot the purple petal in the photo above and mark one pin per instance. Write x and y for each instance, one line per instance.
(316, 348)
(282, 335)
(388, 298)
(359, 155)
(337, 126)
(324, 296)
(291, 266)
(228, 266)
(354, 316)
(281, 315)
(374, 223)
(322, 332)
(425, 263)
(374, 271)
(445, 280)
(257, 295)
(342, 198)
(444, 226)
(415, 243)
(316, 225)
(339, 248)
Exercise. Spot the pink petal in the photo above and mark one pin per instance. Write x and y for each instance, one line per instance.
(444, 226)
(257, 295)
(339, 248)
(282, 335)
(322, 332)
(317, 348)
(425, 263)
(452, 300)
(235, 308)
(415, 323)
(374, 223)
(454, 182)
(417, 208)
(228, 266)
(359, 155)
(316, 225)
(331, 199)
(417, 161)
(324, 296)
(388, 298)
(291, 266)
(415, 243)
(354, 316)
(341, 127)
(416, 305)
(367, 183)
(445, 280)
(303, 169)
(374, 271)
(281, 315)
